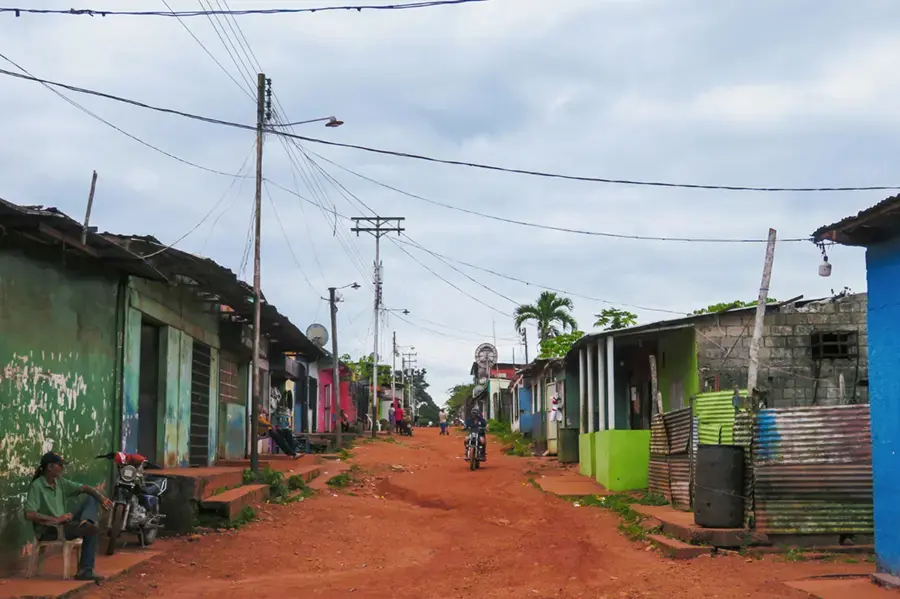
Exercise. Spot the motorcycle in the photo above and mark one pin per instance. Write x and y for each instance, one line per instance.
(135, 500)
(474, 449)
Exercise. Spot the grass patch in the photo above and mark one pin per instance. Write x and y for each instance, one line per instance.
(206, 520)
(345, 454)
(345, 479)
(278, 487)
(794, 555)
(513, 442)
(620, 503)
(298, 483)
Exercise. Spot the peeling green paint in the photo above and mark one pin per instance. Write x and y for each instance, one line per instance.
(58, 354)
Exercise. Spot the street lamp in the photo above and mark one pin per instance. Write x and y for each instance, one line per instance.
(333, 300)
(330, 121)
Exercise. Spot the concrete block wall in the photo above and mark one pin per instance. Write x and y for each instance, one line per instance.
(787, 371)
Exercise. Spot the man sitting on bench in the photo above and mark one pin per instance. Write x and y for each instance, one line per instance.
(283, 437)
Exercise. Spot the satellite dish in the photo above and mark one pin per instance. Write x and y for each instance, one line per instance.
(485, 357)
(318, 334)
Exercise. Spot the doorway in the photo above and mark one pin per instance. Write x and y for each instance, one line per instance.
(198, 450)
(148, 391)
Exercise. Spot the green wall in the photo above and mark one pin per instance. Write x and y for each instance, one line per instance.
(622, 459)
(680, 351)
(58, 356)
(586, 457)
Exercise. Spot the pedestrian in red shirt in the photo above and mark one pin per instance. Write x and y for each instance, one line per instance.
(398, 417)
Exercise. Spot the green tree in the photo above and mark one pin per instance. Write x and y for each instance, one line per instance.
(559, 346)
(613, 319)
(552, 314)
(458, 396)
(362, 368)
(722, 307)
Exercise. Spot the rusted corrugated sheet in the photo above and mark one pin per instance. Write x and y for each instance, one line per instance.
(659, 476)
(678, 430)
(715, 413)
(813, 470)
(659, 441)
(743, 436)
(680, 479)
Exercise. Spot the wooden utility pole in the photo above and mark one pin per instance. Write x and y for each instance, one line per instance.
(257, 293)
(378, 226)
(336, 364)
(753, 369)
(90, 204)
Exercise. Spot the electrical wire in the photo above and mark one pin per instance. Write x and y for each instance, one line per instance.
(530, 284)
(476, 165)
(91, 12)
(247, 92)
(97, 117)
(548, 227)
(288, 241)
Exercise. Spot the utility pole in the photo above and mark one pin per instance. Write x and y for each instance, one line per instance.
(90, 204)
(336, 366)
(525, 342)
(394, 371)
(261, 116)
(753, 369)
(378, 226)
(410, 359)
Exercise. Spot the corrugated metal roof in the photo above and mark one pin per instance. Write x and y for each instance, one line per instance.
(844, 230)
(813, 470)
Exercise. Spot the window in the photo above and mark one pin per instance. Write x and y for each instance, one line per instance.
(833, 345)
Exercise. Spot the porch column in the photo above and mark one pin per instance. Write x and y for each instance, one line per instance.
(600, 365)
(581, 390)
(611, 382)
(589, 387)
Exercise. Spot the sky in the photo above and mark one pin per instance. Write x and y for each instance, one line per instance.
(768, 93)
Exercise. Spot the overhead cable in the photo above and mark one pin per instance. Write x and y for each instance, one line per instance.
(93, 12)
(476, 165)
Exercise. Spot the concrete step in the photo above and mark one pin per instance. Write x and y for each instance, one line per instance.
(308, 472)
(197, 483)
(676, 549)
(328, 472)
(230, 503)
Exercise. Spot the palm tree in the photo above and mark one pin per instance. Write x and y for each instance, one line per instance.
(551, 314)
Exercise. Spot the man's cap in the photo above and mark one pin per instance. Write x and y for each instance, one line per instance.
(52, 458)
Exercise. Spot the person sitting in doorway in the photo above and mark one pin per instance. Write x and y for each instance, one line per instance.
(283, 437)
(46, 508)
(345, 422)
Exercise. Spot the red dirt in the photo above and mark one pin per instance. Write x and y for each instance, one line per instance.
(422, 525)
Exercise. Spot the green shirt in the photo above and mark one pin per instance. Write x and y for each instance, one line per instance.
(50, 501)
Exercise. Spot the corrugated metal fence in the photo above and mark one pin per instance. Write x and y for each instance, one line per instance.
(670, 456)
(715, 417)
(813, 470)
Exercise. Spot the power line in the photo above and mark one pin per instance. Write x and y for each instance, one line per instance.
(524, 282)
(288, 241)
(97, 117)
(90, 12)
(546, 227)
(421, 157)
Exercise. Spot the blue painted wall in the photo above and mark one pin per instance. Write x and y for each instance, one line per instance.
(883, 266)
(525, 417)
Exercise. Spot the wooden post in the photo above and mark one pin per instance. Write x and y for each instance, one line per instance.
(90, 204)
(582, 391)
(753, 369)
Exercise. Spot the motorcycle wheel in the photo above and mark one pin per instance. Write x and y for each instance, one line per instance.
(473, 461)
(116, 525)
(148, 535)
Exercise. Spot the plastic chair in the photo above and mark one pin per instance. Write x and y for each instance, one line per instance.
(70, 553)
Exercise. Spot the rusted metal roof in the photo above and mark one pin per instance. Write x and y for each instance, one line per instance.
(53, 228)
(871, 225)
(215, 283)
(813, 470)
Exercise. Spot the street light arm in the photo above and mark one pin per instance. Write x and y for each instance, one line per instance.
(330, 121)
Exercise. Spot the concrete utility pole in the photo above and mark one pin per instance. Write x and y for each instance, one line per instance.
(394, 371)
(336, 367)
(261, 84)
(378, 226)
(525, 342)
(90, 204)
(753, 369)
(410, 358)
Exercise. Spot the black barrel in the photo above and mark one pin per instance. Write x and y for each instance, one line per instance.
(719, 486)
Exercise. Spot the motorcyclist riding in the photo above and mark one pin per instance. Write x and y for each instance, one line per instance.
(477, 422)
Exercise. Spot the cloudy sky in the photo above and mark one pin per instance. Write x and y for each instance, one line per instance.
(765, 93)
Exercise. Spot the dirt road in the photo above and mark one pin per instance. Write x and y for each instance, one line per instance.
(422, 525)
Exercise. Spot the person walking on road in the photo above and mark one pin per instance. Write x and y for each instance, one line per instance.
(392, 419)
(443, 418)
(398, 417)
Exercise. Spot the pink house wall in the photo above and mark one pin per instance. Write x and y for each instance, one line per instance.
(326, 378)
